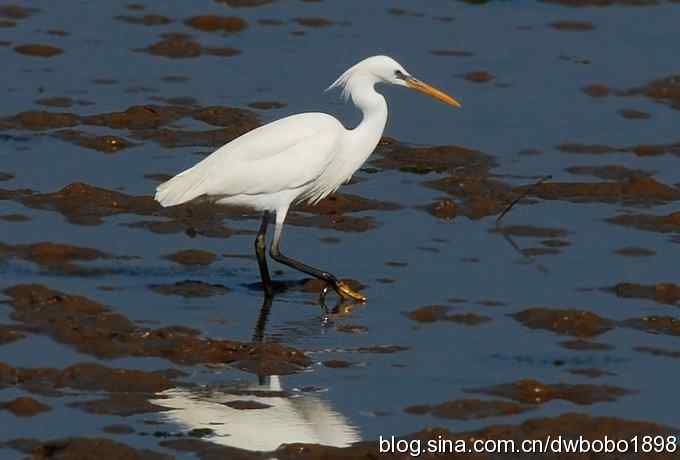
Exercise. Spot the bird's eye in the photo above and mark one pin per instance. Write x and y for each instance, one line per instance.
(399, 74)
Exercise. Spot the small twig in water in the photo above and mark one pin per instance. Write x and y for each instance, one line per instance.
(521, 197)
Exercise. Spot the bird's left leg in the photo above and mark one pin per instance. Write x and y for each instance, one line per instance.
(340, 287)
(262, 257)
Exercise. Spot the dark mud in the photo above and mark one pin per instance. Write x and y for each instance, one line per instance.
(424, 160)
(82, 448)
(665, 293)
(145, 20)
(592, 372)
(24, 407)
(610, 172)
(58, 257)
(577, 323)
(106, 144)
(631, 251)
(642, 150)
(213, 23)
(122, 405)
(478, 76)
(192, 257)
(190, 288)
(637, 190)
(535, 392)
(570, 426)
(182, 46)
(38, 50)
(469, 409)
(93, 329)
(664, 325)
(572, 26)
(434, 313)
(585, 345)
(653, 223)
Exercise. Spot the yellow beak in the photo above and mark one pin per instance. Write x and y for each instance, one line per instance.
(424, 88)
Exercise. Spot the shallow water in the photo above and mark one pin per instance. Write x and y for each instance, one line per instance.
(535, 101)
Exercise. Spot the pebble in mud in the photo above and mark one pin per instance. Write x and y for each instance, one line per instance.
(38, 50)
(534, 392)
(578, 323)
(24, 407)
(469, 409)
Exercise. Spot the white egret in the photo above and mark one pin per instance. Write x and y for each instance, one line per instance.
(303, 157)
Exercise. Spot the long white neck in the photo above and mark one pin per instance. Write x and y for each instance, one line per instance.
(366, 135)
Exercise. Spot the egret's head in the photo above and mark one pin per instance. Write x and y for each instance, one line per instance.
(384, 69)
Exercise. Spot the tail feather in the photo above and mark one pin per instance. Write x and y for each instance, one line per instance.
(180, 189)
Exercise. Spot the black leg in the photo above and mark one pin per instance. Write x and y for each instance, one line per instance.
(262, 257)
(341, 288)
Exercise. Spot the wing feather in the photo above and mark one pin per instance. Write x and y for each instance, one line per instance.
(284, 155)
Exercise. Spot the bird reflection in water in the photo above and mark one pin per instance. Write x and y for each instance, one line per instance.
(263, 415)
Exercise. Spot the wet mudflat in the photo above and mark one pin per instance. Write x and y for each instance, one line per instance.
(131, 330)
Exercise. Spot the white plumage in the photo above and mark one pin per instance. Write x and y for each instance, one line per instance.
(302, 157)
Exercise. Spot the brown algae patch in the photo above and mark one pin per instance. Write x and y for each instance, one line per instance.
(609, 172)
(577, 323)
(55, 256)
(534, 392)
(72, 448)
(38, 50)
(572, 26)
(192, 257)
(664, 325)
(666, 293)
(643, 190)
(653, 223)
(469, 409)
(92, 328)
(24, 407)
(182, 46)
(478, 76)
(106, 143)
(435, 313)
(190, 288)
(145, 20)
(214, 23)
